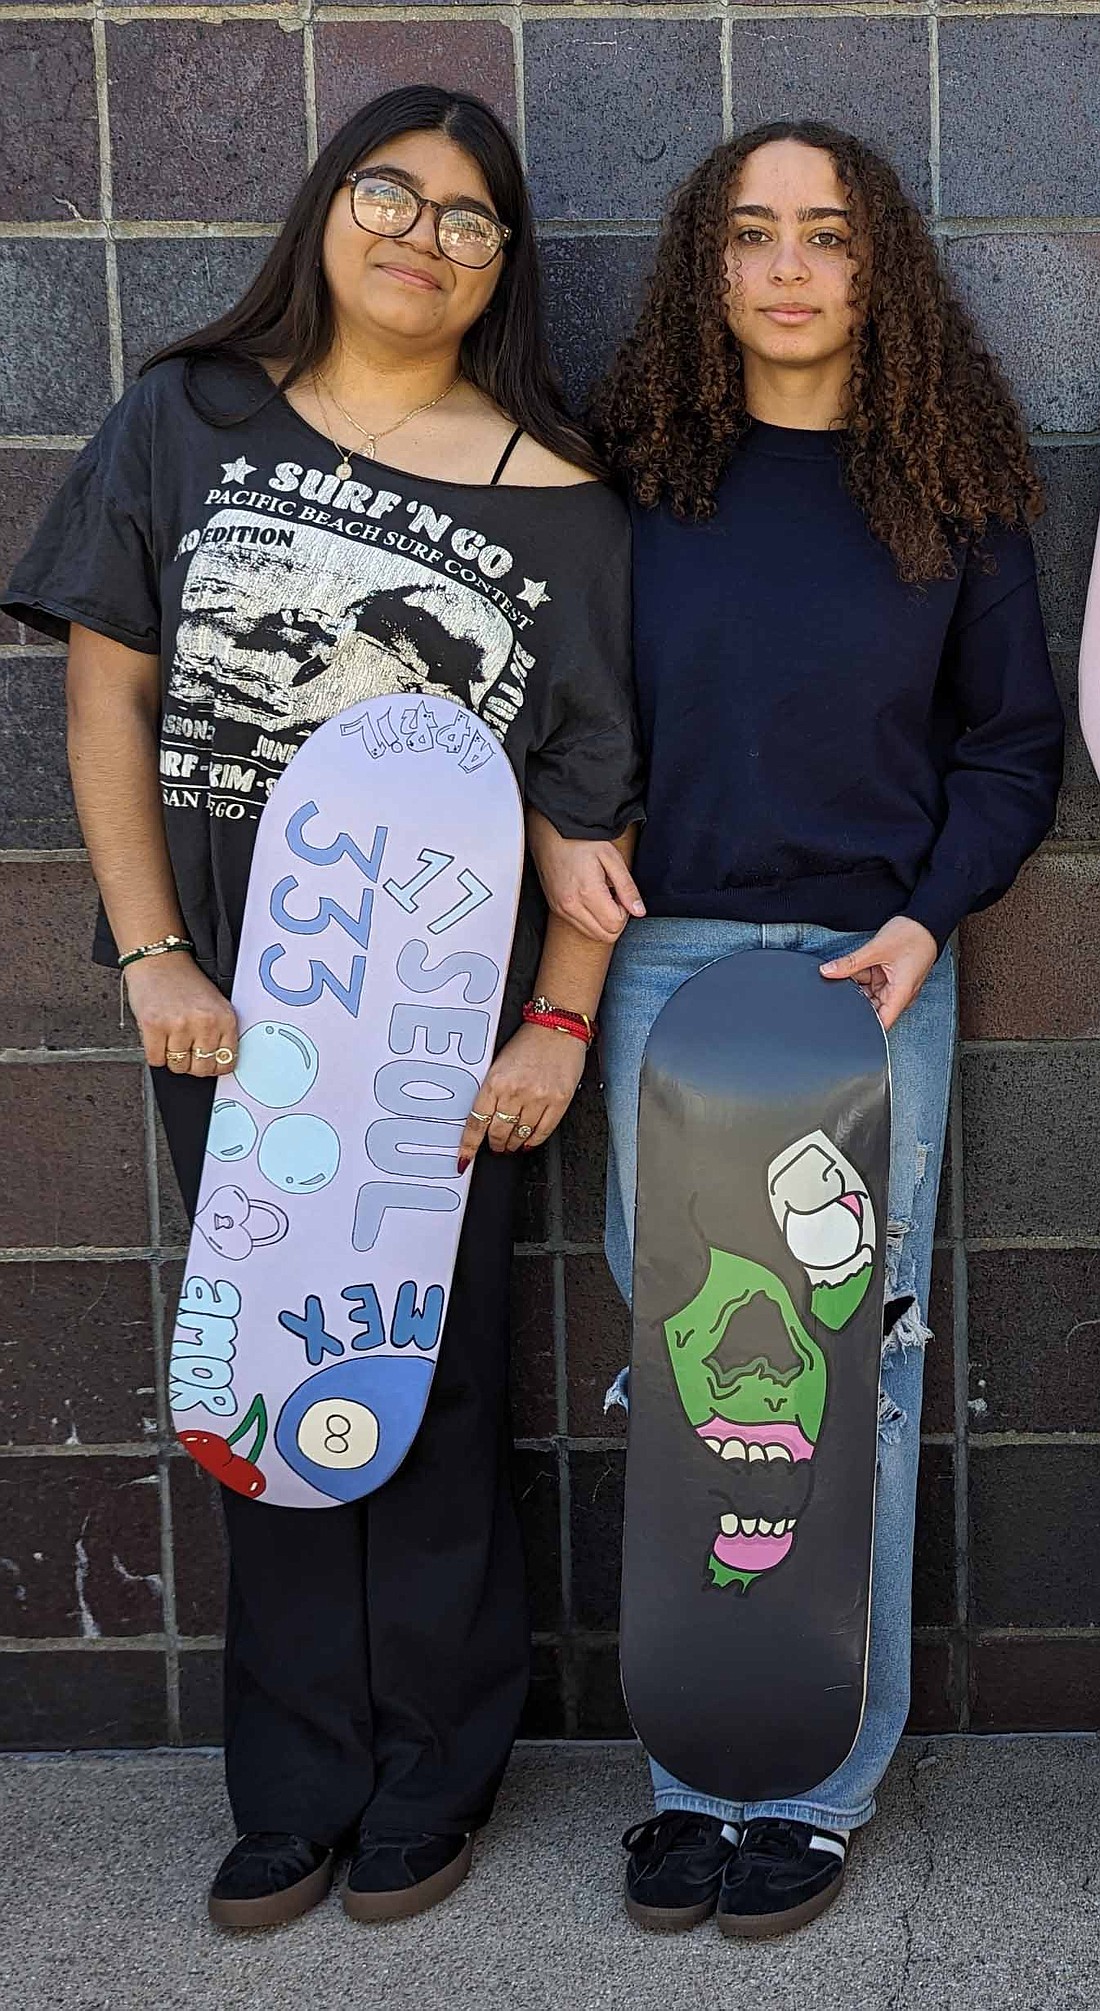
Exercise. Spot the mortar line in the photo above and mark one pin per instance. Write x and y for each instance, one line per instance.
(167, 1549)
(725, 46)
(107, 205)
(961, 1340)
(515, 24)
(309, 84)
(934, 133)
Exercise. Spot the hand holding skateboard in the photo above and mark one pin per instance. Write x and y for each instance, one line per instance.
(182, 1017)
(525, 1095)
(891, 968)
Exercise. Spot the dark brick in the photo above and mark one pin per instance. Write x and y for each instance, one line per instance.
(938, 1408)
(935, 1701)
(1033, 1513)
(81, 1547)
(533, 1200)
(29, 477)
(1034, 1340)
(596, 1534)
(54, 372)
(584, 1163)
(201, 1688)
(1035, 1683)
(36, 807)
(601, 1706)
(76, 1361)
(1027, 294)
(198, 1544)
(534, 1385)
(821, 69)
(945, 1198)
(51, 993)
(356, 61)
(81, 1699)
(537, 1493)
(598, 1341)
(1031, 1165)
(654, 88)
(934, 1555)
(76, 1172)
(1078, 817)
(1019, 111)
(170, 286)
(49, 140)
(207, 119)
(544, 1712)
(1065, 537)
(594, 291)
(1046, 928)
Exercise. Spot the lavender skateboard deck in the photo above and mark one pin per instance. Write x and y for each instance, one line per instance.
(376, 938)
(763, 1156)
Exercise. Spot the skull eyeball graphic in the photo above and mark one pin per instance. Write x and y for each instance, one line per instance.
(824, 1212)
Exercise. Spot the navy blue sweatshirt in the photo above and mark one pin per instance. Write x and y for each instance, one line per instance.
(826, 744)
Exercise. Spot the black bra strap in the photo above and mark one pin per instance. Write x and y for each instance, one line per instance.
(506, 456)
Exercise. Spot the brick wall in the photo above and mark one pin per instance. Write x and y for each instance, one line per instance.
(147, 152)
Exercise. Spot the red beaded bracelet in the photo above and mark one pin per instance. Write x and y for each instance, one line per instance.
(540, 1012)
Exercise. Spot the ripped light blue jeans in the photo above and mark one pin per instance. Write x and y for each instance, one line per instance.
(652, 960)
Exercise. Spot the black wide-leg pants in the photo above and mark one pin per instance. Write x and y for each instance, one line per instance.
(377, 1653)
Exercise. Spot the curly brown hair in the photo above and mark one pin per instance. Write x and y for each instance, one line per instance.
(934, 446)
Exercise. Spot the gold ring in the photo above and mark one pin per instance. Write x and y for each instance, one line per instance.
(504, 1116)
(169, 1056)
(524, 1130)
(225, 1055)
(222, 1054)
(481, 1116)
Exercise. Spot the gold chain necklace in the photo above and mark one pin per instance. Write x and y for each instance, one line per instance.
(369, 440)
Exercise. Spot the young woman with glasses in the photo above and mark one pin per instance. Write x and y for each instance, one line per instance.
(853, 740)
(361, 480)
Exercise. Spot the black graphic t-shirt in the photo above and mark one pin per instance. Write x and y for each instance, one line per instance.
(276, 594)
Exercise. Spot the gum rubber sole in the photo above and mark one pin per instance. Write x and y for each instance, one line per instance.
(669, 1919)
(760, 1926)
(378, 1907)
(275, 1909)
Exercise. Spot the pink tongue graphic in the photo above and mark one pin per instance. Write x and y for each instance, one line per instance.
(855, 1203)
(790, 1435)
(752, 1553)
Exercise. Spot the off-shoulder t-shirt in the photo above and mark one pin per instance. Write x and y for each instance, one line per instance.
(205, 523)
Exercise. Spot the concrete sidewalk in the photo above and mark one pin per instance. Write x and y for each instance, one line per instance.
(974, 1888)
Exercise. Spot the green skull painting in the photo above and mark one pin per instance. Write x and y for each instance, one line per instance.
(752, 1380)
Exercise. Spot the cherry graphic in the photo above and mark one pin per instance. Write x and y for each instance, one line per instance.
(236, 1470)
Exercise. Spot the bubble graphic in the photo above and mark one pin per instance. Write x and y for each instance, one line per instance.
(299, 1154)
(232, 1131)
(276, 1064)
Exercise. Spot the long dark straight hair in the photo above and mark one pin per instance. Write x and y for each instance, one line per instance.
(286, 316)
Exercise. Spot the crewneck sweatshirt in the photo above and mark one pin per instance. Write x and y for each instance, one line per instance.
(826, 743)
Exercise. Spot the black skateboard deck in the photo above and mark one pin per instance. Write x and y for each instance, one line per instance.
(763, 1158)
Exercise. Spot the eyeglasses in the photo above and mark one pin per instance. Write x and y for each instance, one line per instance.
(466, 236)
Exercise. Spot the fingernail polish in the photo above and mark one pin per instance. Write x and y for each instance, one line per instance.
(462, 1165)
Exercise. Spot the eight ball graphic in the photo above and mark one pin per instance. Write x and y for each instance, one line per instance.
(357, 1414)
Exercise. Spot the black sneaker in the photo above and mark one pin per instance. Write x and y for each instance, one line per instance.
(675, 1872)
(392, 1877)
(783, 1875)
(269, 1878)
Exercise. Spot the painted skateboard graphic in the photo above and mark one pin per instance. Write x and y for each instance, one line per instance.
(381, 907)
(763, 1160)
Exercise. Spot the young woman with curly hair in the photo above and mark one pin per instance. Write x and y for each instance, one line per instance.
(853, 741)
